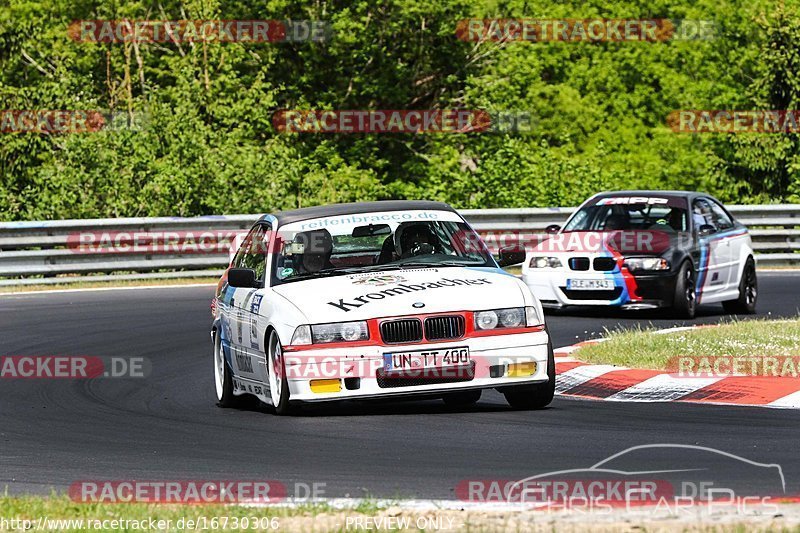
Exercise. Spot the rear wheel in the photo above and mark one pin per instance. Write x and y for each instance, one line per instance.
(745, 304)
(537, 395)
(462, 398)
(685, 303)
(223, 382)
(278, 384)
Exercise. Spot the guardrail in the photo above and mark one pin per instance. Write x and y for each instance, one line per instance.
(47, 252)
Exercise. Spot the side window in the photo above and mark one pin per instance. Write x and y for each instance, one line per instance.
(253, 252)
(243, 247)
(702, 214)
(263, 250)
(578, 220)
(721, 219)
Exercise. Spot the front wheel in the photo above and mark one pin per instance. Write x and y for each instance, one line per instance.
(745, 304)
(685, 303)
(537, 395)
(223, 383)
(278, 383)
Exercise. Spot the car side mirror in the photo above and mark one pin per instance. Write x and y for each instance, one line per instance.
(705, 229)
(551, 229)
(244, 278)
(511, 255)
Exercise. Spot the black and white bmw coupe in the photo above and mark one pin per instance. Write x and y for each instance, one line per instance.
(646, 249)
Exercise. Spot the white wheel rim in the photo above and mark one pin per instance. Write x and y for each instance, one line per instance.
(275, 381)
(219, 367)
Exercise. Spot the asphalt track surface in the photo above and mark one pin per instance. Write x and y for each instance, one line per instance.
(167, 426)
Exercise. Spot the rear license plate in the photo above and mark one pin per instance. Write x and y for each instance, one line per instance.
(422, 359)
(590, 284)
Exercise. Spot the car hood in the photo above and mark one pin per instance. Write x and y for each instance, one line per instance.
(403, 292)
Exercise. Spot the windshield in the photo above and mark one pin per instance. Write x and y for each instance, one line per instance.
(391, 240)
(631, 213)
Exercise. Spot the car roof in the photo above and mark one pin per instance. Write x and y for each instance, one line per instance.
(680, 194)
(307, 213)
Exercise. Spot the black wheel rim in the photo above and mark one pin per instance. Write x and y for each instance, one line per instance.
(690, 290)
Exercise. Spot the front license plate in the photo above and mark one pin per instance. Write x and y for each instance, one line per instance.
(418, 360)
(590, 284)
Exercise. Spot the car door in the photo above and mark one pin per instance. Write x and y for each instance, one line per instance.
(245, 306)
(713, 270)
(731, 240)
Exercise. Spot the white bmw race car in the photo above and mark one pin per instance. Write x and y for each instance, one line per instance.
(369, 300)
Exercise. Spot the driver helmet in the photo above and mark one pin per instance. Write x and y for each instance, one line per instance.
(409, 236)
(317, 249)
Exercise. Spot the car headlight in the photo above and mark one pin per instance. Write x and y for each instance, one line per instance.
(334, 332)
(486, 320)
(646, 263)
(302, 335)
(532, 317)
(512, 317)
(339, 332)
(544, 262)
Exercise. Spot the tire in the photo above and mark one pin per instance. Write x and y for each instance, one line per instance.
(278, 383)
(465, 398)
(223, 382)
(684, 304)
(537, 395)
(745, 304)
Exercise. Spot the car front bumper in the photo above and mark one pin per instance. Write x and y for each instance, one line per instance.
(363, 366)
(631, 291)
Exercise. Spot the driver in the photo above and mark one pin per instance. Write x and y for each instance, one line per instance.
(415, 239)
(701, 214)
(317, 250)
(617, 221)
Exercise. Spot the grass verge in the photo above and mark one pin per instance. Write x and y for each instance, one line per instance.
(60, 513)
(644, 348)
(31, 513)
(104, 284)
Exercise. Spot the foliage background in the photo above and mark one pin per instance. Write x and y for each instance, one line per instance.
(209, 147)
